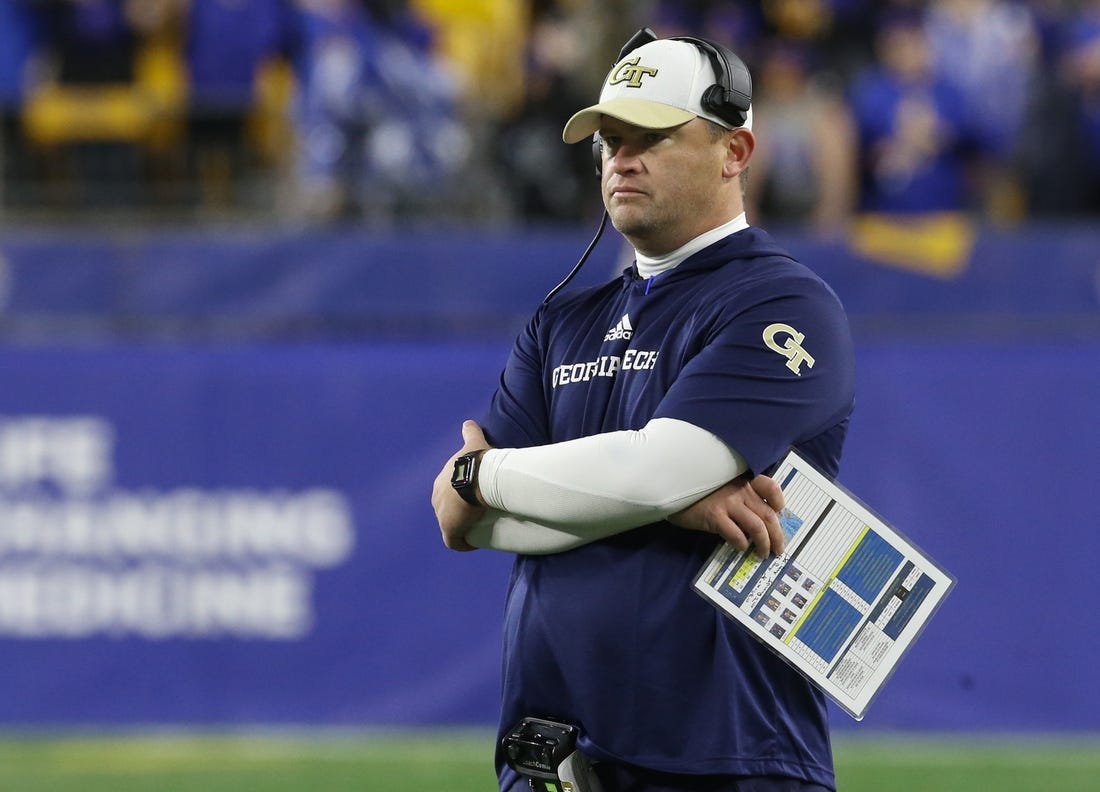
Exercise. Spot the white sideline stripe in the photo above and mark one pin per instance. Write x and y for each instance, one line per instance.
(1080, 751)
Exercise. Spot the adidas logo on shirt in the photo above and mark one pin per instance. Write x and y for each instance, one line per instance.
(622, 330)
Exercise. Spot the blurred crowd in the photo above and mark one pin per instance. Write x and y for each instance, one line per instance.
(384, 110)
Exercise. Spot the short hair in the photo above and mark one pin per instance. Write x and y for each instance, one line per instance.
(717, 132)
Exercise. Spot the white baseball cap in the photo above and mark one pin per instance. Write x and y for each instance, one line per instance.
(657, 86)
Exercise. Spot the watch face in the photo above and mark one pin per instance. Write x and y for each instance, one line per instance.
(463, 467)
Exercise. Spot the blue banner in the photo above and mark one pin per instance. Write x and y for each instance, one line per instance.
(243, 535)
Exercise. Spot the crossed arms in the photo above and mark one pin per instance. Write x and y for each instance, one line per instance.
(555, 497)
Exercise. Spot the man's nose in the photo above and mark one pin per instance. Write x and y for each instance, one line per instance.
(625, 158)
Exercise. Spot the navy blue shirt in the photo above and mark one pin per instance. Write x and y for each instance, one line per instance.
(741, 340)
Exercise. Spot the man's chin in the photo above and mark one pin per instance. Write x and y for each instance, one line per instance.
(629, 222)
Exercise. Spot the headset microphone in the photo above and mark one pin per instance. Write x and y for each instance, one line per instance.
(643, 36)
(584, 257)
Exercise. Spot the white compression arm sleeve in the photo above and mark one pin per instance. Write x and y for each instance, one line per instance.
(500, 531)
(550, 498)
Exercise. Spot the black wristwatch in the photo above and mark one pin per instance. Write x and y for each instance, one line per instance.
(464, 477)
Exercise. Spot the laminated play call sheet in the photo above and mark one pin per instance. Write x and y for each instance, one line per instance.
(844, 601)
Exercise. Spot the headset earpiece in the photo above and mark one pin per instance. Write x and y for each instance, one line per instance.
(597, 153)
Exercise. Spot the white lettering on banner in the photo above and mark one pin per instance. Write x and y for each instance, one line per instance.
(312, 528)
(604, 366)
(72, 453)
(80, 558)
(154, 601)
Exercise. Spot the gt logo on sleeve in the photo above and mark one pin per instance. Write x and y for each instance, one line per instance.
(791, 348)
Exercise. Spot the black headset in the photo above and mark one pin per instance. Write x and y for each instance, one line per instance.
(728, 99)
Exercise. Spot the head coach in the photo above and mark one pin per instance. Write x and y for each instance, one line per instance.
(629, 434)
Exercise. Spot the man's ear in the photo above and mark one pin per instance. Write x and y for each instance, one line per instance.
(739, 147)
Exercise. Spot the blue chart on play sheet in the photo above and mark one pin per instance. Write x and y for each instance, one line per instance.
(828, 625)
(911, 601)
(870, 566)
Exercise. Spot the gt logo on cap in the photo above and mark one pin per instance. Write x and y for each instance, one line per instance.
(792, 349)
(631, 73)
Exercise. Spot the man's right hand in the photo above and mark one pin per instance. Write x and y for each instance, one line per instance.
(744, 512)
(454, 515)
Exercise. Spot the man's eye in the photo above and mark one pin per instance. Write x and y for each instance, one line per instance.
(654, 137)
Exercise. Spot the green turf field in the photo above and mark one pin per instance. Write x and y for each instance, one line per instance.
(458, 762)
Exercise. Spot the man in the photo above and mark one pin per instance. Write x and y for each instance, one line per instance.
(634, 409)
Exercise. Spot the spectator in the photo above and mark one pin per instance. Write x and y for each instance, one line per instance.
(227, 43)
(20, 41)
(485, 42)
(527, 145)
(915, 143)
(804, 170)
(988, 50)
(377, 120)
(1060, 149)
(90, 52)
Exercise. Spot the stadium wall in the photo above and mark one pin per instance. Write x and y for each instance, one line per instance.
(216, 453)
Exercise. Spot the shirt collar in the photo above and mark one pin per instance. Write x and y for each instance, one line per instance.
(648, 266)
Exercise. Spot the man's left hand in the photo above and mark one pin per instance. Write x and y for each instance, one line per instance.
(744, 512)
